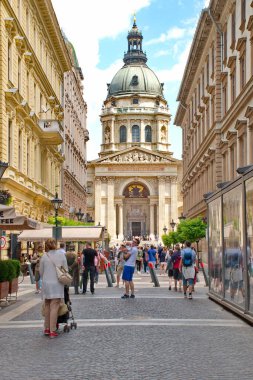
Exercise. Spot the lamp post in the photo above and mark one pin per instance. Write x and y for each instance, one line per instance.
(172, 224)
(165, 229)
(56, 202)
(79, 215)
(182, 217)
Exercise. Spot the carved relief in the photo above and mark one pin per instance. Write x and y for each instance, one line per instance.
(136, 156)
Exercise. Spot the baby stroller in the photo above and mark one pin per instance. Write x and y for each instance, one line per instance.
(64, 319)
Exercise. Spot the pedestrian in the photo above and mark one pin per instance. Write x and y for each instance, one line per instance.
(176, 259)
(187, 267)
(62, 248)
(152, 255)
(128, 271)
(52, 289)
(162, 261)
(145, 259)
(139, 260)
(36, 263)
(169, 266)
(74, 268)
(121, 263)
(89, 255)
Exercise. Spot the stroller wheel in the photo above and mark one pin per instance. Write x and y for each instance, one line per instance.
(75, 326)
(71, 325)
(66, 328)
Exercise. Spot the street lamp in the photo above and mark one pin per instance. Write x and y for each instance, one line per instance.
(79, 215)
(182, 217)
(172, 224)
(3, 167)
(56, 202)
(165, 229)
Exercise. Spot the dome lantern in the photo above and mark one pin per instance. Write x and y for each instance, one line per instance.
(135, 53)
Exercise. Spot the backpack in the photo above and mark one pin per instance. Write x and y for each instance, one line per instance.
(187, 259)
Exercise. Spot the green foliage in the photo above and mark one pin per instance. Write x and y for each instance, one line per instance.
(7, 270)
(68, 222)
(5, 197)
(16, 264)
(170, 239)
(191, 229)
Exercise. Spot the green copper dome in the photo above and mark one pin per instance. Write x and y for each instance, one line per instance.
(135, 78)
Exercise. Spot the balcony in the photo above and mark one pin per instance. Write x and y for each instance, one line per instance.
(52, 132)
(135, 110)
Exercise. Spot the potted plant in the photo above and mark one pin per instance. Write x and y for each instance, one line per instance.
(5, 274)
(5, 197)
(13, 284)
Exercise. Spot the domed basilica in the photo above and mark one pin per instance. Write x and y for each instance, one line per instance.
(134, 187)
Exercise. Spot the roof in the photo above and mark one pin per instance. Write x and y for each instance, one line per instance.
(75, 233)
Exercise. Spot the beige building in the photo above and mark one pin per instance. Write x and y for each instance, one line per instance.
(134, 187)
(75, 137)
(216, 101)
(33, 60)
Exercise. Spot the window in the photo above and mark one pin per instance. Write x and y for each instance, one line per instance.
(27, 22)
(9, 61)
(243, 70)
(28, 164)
(243, 12)
(122, 134)
(203, 83)
(224, 97)
(233, 21)
(20, 151)
(212, 59)
(135, 101)
(19, 74)
(35, 97)
(148, 134)
(225, 44)
(27, 86)
(10, 141)
(135, 133)
(207, 70)
(233, 86)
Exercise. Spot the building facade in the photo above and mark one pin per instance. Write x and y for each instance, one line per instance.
(75, 137)
(216, 100)
(33, 60)
(134, 186)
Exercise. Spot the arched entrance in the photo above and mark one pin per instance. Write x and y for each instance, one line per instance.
(135, 210)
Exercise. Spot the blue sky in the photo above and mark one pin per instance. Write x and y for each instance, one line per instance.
(98, 30)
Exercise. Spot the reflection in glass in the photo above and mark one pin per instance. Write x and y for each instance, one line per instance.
(215, 246)
(233, 242)
(249, 227)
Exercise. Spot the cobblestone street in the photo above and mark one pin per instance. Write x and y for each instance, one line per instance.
(159, 335)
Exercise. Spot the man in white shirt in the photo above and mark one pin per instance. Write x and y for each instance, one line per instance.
(62, 248)
(128, 271)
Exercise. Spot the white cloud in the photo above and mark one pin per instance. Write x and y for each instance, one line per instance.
(85, 24)
(171, 34)
(162, 53)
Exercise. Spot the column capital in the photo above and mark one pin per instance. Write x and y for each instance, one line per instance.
(110, 180)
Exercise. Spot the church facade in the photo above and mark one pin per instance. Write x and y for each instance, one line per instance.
(134, 187)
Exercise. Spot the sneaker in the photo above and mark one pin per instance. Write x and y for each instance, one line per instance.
(53, 334)
(185, 295)
(46, 332)
(190, 296)
(169, 287)
(93, 293)
(132, 296)
(125, 296)
(116, 286)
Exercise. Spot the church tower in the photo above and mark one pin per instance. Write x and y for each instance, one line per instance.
(135, 112)
(134, 185)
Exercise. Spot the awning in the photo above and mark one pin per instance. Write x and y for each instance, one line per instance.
(75, 233)
(7, 212)
(19, 223)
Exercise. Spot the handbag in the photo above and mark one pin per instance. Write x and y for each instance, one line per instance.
(63, 309)
(62, 274)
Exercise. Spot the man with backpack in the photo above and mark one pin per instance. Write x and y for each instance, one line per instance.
(188, 257)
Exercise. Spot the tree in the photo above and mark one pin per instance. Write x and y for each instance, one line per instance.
(68, 222)
(170, 239)
(192, 230)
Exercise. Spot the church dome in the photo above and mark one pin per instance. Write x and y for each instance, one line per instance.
(135, 78)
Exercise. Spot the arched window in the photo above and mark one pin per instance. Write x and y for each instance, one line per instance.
(135, 133)
(122, 134)
(148, 134)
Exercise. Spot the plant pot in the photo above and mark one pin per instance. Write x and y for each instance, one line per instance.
(13, 286)
(4, 289)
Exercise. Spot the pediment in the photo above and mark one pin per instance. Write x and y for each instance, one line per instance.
(135, 156)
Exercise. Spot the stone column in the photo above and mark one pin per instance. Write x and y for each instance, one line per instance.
(249, 144)
(121, 236)
(174, 212)
(112, 131)
(161, 205)
(111, 213)
(142, 135)
(151, 222)
(129, 134)
(97, 200)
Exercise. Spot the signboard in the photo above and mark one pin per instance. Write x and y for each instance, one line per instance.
(2, 242)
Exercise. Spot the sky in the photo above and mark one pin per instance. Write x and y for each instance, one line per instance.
(98, 30)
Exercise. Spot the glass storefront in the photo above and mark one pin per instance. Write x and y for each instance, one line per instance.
(215, 246)
(249, 241)
(233, 246)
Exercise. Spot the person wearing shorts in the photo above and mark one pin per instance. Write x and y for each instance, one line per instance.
(121, 262)
(188, 271)
(128, 271)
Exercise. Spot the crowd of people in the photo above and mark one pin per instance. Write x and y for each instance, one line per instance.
(179, 264)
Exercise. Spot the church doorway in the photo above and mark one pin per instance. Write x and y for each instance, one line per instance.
(136, 210)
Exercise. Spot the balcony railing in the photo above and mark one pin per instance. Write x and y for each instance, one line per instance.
(53, 133)
(115, 110)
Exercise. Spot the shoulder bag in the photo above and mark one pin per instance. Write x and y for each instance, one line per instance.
(62, 274)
